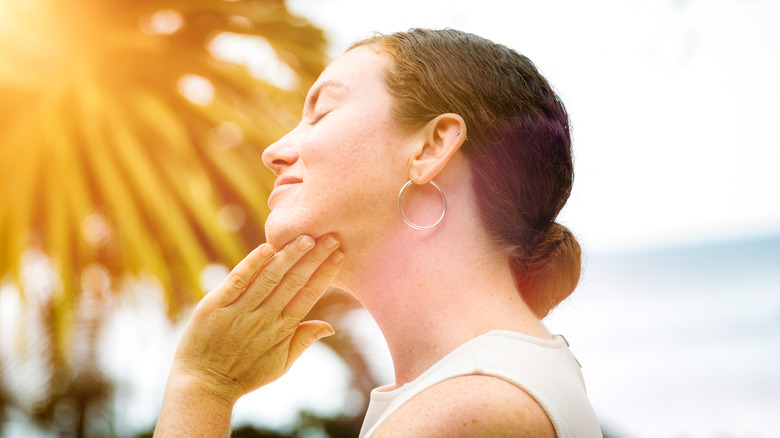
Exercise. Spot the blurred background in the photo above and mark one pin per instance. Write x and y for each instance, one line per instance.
(130, 183)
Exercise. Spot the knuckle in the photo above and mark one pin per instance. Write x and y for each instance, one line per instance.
(291, 256)
(296, 281)
(289, 324)
(310, 293)
(269, 279)
(320, 254)
(237, 281)
(329, 270)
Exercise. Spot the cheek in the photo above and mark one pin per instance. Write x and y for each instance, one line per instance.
(348, 178)
(343, 149)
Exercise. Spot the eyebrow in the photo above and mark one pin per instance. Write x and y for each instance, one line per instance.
(314, 95)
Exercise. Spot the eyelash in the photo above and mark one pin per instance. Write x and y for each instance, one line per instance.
(319, 117)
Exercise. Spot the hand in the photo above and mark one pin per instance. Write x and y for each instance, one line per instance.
(247, 332)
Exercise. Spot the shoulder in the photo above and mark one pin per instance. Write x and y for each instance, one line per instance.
(467, 406)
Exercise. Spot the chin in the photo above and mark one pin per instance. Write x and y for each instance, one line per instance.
(279, 232)
(284, 225)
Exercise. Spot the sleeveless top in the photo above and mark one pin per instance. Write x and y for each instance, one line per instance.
(545, 369)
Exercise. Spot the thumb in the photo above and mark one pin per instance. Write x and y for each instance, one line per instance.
(307, 334)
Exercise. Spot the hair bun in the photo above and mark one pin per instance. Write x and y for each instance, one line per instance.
(547, 269)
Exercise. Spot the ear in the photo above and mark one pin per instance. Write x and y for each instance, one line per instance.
(441, 138)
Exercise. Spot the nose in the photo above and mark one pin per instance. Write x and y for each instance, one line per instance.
(281, 154)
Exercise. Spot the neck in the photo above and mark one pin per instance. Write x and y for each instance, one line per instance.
(431, 291)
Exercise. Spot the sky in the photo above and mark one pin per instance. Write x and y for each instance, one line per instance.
(675, 104)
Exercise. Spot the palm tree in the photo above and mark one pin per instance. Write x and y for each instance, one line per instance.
(130, 134)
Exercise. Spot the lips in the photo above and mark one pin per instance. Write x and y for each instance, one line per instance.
(285, 180)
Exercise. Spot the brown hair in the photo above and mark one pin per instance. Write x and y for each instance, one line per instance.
(518, 144)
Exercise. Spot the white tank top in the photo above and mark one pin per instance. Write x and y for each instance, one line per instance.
(545, 369)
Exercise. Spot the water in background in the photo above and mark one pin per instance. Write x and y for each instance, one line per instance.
(681, 342)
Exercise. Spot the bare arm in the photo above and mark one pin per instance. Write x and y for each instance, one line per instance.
(245, 334)
(469, 406)
(188, 411)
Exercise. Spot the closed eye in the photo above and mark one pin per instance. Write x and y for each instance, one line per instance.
(325, 95)
(319, 116)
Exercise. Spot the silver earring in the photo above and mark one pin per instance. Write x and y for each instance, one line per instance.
(406, 219)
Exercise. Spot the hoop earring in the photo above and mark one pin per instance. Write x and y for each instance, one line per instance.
(406, 219)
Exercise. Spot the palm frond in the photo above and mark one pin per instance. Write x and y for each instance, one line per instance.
(105, 160)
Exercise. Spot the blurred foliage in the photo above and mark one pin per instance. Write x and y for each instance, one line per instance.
(130, 140)
(104, 159)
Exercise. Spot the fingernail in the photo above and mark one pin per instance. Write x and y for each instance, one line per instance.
(337, 257)
(330, 242)
(266, 250)
(324, 333)
(305, 243)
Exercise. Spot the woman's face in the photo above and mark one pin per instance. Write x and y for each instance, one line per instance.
(340, 169)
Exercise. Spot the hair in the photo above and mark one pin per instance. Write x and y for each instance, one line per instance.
(518, 144)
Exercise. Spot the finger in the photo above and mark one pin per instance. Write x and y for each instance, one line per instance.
(299, 275)
(300, 305)
(274, 272)
(307, 334)
(230, 288)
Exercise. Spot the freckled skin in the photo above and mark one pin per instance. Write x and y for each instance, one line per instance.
(487, 407)
(339, 172)
(428, 291)
(338, 156)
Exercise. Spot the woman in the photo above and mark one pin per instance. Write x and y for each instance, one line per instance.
(430, 165)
